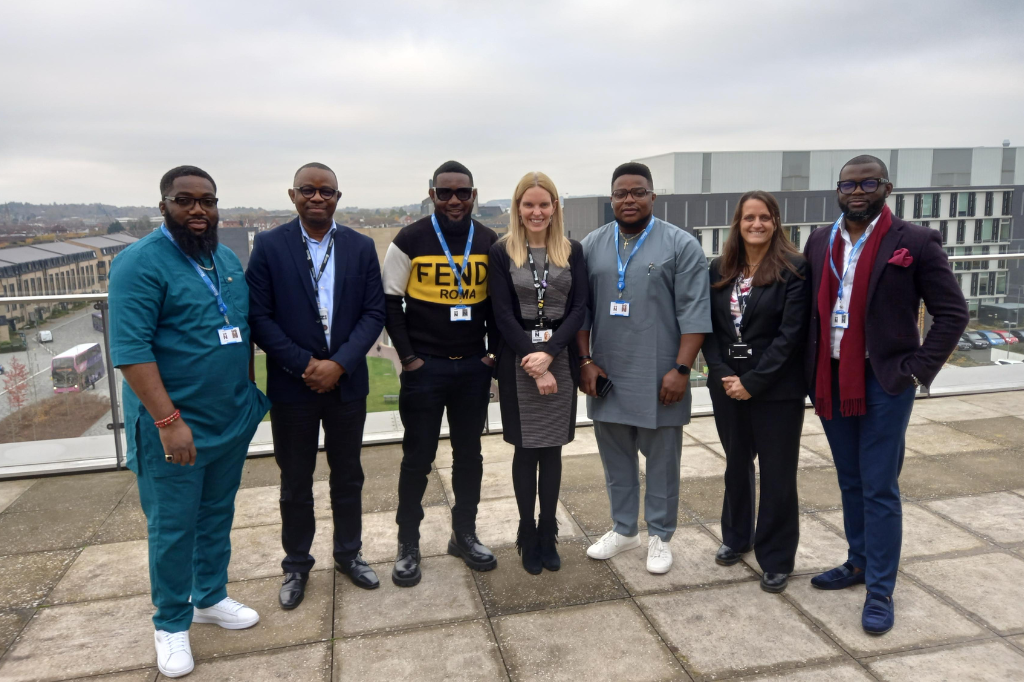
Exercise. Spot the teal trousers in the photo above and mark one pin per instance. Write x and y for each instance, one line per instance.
(189, 517)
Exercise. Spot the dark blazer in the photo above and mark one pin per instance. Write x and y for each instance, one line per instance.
(775, 326)
(894, 298)
(284, 317)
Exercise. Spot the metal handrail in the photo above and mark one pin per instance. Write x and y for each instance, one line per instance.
(972, 257)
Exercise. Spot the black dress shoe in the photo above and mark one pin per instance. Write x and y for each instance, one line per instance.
(475, 554)
(406, 572)
(359, 572)
(726, 556)
(774, 582)
(293, 590)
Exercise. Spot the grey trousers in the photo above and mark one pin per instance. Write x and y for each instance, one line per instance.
(619, 445)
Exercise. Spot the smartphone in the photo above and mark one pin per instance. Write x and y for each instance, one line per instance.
(604, 385)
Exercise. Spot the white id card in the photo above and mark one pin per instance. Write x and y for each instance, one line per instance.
(620, 309)
(840, 319)
(229, 335)
(540, 335)
(323, 317)
(461, 313)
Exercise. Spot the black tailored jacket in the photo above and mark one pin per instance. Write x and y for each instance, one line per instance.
(775, 327)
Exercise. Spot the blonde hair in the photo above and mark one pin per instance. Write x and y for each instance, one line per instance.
(558, 246)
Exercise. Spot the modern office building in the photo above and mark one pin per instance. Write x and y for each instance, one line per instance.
(973, 197)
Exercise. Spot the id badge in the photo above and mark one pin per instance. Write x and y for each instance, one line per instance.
(461, 313)
(840, 319)
(620, 309)
(540, 335)
(323, 317)
(229, 335)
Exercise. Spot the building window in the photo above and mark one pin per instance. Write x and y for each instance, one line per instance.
(714, 242)
(1001, 265)
(1000, 283)
(961, 231)
(944, 231)
(978, 231)
(953, 198)
(699, 236)
(989, 200)
(1007, 202)
(974, 284)
(899, 205)
(983, 284)
(970, 204)
(794, 235)
(917, 206)
(934, 205)
(1003, 226)
(960, 281)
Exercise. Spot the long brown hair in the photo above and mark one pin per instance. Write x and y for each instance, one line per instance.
(734, 254)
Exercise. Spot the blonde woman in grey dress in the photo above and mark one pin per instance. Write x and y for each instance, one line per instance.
(539, 291)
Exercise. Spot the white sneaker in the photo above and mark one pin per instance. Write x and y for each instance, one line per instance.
(173, 653)
(610, 544)
(659, 555)
(228, 614)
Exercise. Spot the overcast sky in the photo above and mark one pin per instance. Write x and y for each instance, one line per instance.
(99, 97)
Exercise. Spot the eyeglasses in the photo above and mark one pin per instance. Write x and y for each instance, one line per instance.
(637, 192)
(326, 192)
(208, 203)
(869, 185)
(445, 193)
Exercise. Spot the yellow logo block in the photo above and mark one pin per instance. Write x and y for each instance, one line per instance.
(431, 279)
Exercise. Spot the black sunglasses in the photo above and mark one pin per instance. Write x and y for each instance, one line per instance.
(327, 193)
(187, 203)
(445, 193)
(869, 185)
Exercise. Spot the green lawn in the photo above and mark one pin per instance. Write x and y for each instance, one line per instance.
(383, 381)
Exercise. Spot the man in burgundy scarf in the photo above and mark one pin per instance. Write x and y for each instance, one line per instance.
(869, 273)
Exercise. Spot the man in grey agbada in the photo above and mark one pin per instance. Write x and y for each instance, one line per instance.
(649, 309)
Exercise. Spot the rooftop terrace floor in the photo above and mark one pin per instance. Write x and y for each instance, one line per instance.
(74, 593)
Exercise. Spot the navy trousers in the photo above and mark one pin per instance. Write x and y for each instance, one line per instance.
(868, 452)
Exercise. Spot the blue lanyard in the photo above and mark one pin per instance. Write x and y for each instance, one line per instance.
(221, 306)
(853, 252)
(618, 258)
(448, 254)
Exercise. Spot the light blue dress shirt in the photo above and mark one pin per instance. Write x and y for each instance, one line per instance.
(325, 289)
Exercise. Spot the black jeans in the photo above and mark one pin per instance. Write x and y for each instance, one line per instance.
(463, 387)
(296, 428)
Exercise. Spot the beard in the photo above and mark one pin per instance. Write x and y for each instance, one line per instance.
(636, 225)
(194, 245)
(453, 226)
(873, 209)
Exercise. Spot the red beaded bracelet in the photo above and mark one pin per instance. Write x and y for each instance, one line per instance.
(167, 421)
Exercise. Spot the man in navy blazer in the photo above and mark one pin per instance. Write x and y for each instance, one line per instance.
(869, 273)
(316, 308)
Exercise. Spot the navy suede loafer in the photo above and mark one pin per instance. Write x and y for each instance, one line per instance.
(838, 578)
(879, 614)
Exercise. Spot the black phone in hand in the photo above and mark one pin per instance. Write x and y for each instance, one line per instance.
(604, 384)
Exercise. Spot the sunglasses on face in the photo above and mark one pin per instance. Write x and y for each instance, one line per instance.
(208, 203)
(869, 185)
(637, 192)
(327, 193)
(445, 193)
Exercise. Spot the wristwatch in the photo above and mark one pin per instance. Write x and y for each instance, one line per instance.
(917, 382)
(683, 369)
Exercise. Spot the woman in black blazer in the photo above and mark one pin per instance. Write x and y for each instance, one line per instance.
(759, 314)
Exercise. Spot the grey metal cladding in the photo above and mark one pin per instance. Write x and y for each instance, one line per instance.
(705, 173)
(951, 167)
(1009, 163)
(894, 165)
(796, 170)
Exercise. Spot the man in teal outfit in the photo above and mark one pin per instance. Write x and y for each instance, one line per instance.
(178, 331)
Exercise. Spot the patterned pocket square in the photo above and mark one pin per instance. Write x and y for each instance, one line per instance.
(902, 258)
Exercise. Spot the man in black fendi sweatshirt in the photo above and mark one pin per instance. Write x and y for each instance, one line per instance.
(435, 286)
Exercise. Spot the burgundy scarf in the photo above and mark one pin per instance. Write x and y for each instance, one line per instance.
(852, 345)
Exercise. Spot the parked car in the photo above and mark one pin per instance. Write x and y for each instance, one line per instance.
(963, 345)
(994, 339)
(977, 340)
(1018, 333)
(1010, 338)
(45, 336)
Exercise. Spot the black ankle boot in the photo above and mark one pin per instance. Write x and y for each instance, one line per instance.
(528, 547)
(547, 531)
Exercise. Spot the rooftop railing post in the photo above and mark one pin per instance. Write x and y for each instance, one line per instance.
(112, 381)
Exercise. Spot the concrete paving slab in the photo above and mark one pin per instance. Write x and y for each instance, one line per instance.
(311, 662)
(48, 529)
(85, 639)
(126, 522)
(380, 534)
(991, 470)
(446, 594)
(565, 644)
(463, 651)
(924, 533)
(807, 459)
(999, 516)
(493, 448)
(497, 521)
(812, 423)
(584, 443)
(820, 547)
(583, 472)
(696, 461)
(144, 675)
(1007, 432)
(702, 429)
(26, 579)
(840, 672)
(256, 552)
(949, 410)
(495, 482)
(938, 439)
(720, 632)
(12, 623)
(991, 586)
(592, 511)
(510, 589)
(257, 507)
(818, 489)
(974, 663)
(921, 619)
(700, 498)
(693, 563)
(310, 622)
(1005, 402)
(263, 471)
(12, 490)
(119, 569)
(930, 477)
(103, 493)
(818, 444)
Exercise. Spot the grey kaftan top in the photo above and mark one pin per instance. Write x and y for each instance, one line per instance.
(669, 295)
